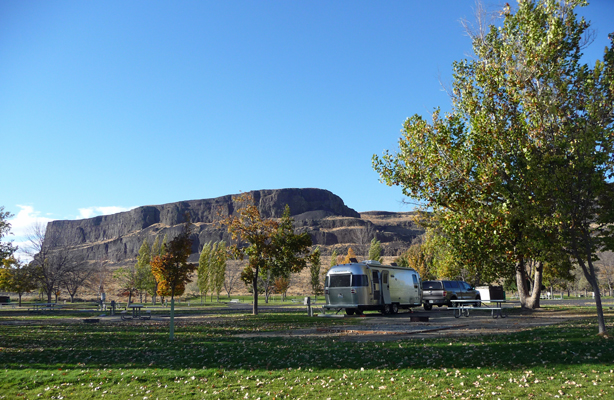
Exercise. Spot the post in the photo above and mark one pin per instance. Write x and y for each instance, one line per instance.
(307, 302)
(172, 325)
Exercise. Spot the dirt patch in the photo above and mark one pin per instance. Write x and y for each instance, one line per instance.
(441, 323)
(373, 327)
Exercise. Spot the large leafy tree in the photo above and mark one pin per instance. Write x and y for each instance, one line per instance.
(315, 263)
(172, 270)
(212, 268)
(127, 281)
(271, 247)
(518, 169)
(145, 280)
(204, 270)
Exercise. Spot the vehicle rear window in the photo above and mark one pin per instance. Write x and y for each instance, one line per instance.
(360, 280)
(339, 280)
(431, 285)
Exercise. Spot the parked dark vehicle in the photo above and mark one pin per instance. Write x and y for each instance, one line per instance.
(440, 293)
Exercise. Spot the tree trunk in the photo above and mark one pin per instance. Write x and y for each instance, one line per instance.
(521, 283)
(172, 322)
(533, 301)
(19, 294)
(255, 292)
(528, 301)
(590, 275)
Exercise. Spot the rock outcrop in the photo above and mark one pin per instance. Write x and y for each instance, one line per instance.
(331, 224)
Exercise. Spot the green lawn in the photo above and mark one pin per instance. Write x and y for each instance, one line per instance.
(207, 360)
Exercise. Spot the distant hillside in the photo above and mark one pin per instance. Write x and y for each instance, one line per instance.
(322, 214)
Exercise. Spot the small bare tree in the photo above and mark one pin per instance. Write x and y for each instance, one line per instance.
(100, 275)
(51, 263)
(606, 269)
(77, 277)
(230, 279)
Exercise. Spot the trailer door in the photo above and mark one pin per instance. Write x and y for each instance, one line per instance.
(376, 287)
(415, 290)
(385, 288)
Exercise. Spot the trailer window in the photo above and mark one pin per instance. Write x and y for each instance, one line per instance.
(431, 285)
(375, 277)
(360, 280)
(340, 280)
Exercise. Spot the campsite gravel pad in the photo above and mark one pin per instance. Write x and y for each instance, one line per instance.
(385, 330)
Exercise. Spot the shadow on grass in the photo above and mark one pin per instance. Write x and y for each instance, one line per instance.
(211, 345)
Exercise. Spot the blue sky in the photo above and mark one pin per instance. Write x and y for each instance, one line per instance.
(105, 106)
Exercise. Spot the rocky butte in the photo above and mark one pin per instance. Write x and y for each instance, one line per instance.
(331, 224)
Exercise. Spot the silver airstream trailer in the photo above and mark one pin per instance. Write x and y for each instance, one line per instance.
(369, 285)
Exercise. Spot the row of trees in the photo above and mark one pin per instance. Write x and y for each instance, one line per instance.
(51, 269)
(518, 173)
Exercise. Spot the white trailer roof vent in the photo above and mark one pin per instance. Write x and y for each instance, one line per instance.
(372, 262)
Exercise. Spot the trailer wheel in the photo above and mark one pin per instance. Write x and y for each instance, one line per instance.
(395, 308)
(349, 311)
(428, 307)
(386, 309)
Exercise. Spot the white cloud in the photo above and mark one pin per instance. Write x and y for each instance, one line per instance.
(90, 212)
(21, 226)
(25, 219)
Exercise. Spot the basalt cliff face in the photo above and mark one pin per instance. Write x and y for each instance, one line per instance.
(330, 223)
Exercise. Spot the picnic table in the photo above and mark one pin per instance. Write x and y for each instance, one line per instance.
(36, 307)
(136, 312)
(462, 307)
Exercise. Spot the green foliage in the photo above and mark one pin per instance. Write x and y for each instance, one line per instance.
(314, 272)
(145, 280)
(127, 280)
(204, 269)
(212, 268)
(333, 258)
(375, 250)
(16, 277)
(272, 247)
(517, 171)
(6, 249)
